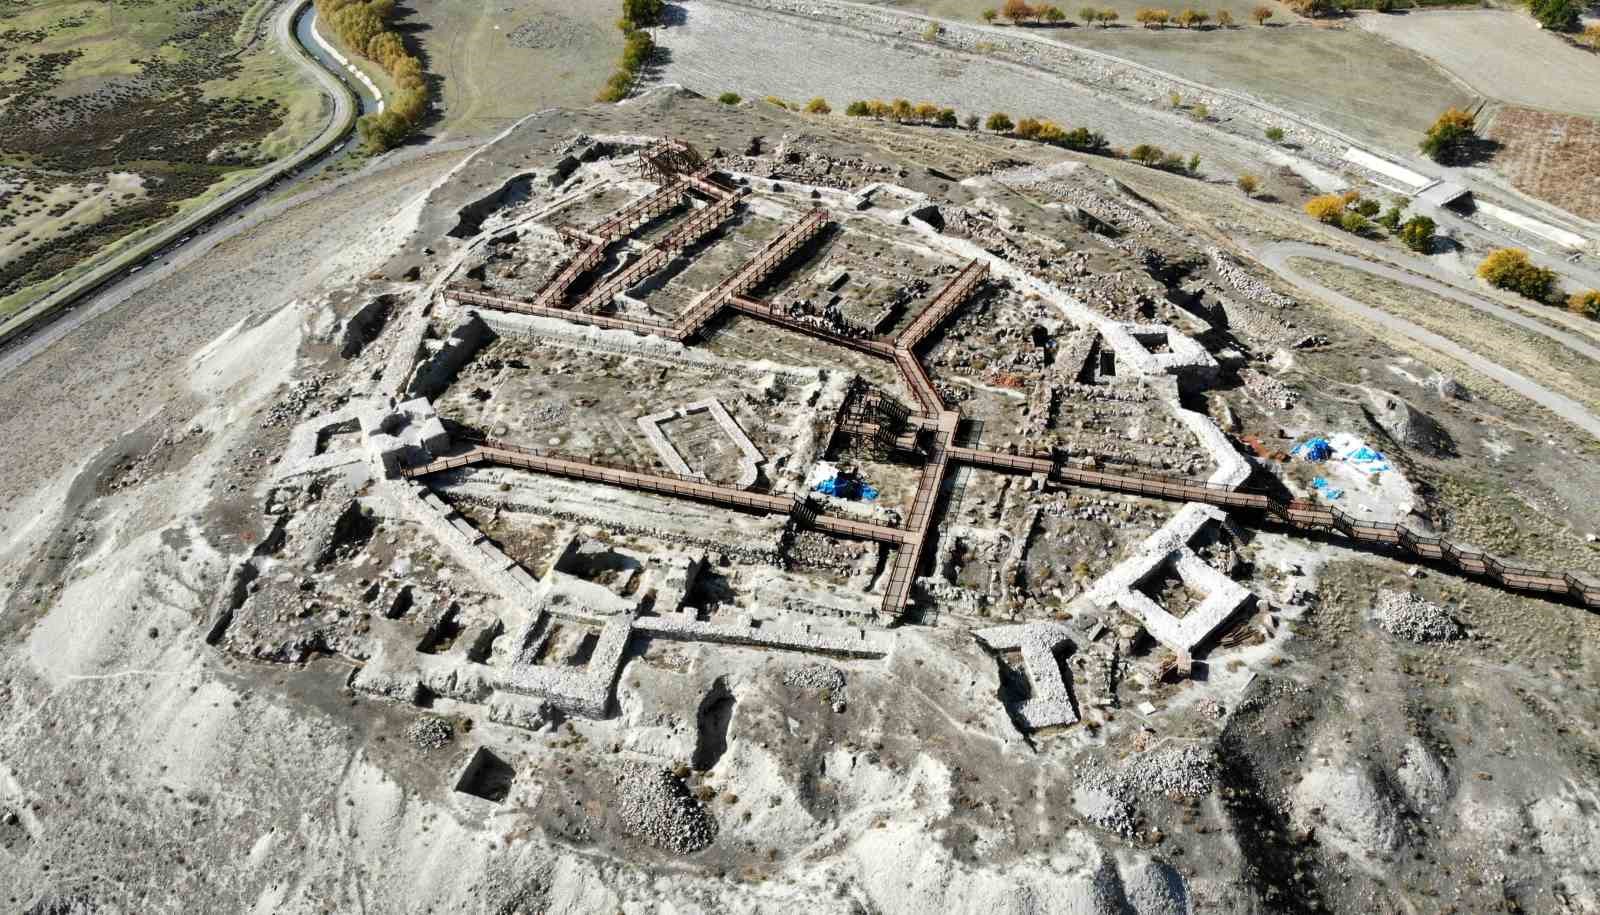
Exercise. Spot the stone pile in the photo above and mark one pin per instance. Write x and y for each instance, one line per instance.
(1409, 617)
(429, 733)
(655, 805)
(1176, 772)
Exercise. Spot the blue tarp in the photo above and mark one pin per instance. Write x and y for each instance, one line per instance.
(1316, 449)
(1320, 484)
(847, 487)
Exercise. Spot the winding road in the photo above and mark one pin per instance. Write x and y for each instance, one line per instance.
(1277, 256)
(112, 282)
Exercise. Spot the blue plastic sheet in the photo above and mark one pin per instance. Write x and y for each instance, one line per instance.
(1316, 449)
(1329, 492)
(847, 487)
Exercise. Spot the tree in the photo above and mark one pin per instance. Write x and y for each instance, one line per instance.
(971, 122)
(641, 13)
(902, 110)
(1261, 14)
(1017, 10)
(947, 117)
(1082, 138)
(990, 14)
(1326, 208)
(999, 122)
(1224, 19)
(1354, 222)
(1191, 17)
(1107, 17)
(1391, 218)
(1147, 155)
(1417, 234)
(858, 109)
(1510, 268)
(1556, 15)
(1591, 35)
(927, 112)
(880, 109)
(1152, 18)
(818, 105)
(1586, 304)
(1089, 15)
(729, 98)
(1368, 207)
(1450, 134)
(1028, 128)
(1249, 184)
(1053, 14)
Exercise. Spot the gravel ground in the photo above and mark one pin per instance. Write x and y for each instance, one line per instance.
(1409, 617)
(429, 733)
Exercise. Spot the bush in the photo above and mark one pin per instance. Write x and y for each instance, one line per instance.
(1028, 128)
(1224, 19)
(1591, 35)
(1417, 234)
(1556, 15)
(971, 122)
(1391, 218)
(1586, 304)
(999, 122)
(1354, 222)
(989, 15)
(1249, 184)
(640, 13)
(1326, 208)
(1275, 134)
(1510, 268)
(1053, 14)
(1084, 139)
(1261, 14)
(1449, 135)
(729, 98)
(1368, 208)
(857, 109)
(818, 105)
(776, 102)
(947, 117)
(1145, 154)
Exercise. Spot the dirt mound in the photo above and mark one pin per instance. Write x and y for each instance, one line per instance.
(655, 805)
(1408, 425)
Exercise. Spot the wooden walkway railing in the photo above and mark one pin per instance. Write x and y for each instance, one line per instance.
(948, 300)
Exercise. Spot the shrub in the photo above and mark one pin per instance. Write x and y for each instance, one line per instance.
(1193, 165)
(777, 102)
(947, 117)
(1510, 268)
(1249, 184)
(1054, 14)
(930, 32)
(989, 15)
(1591, 35)
(1089, 14)
(1417, 234)
(1368, 208)
(1224, 19)
(818, 105)
(1145, 154)
(999, 122)
(1108, 16)
(1261, 14)
(926, 112)
(1082, 138)
(971, 122)
(1201, 113)
(1586, 304)
(1028, 128)
(1354, 222)
(1326, 208)
(1275, 134)
(1391, 218)
(1556, 15)
(729, 98)
(1017, 10)
(1450, 133)
(858, 109)
(640, 13)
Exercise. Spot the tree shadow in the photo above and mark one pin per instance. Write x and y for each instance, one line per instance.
(673, 15)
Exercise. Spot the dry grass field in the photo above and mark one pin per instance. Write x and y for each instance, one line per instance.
(1555, 157)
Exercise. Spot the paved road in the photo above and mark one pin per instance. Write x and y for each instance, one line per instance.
(110, 283)
(1276, 257)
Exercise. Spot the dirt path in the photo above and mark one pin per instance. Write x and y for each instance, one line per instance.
(1277, 257)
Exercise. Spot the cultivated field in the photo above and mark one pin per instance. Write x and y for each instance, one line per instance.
(1555, 157)
(1503, 55)
(1335, 74)
(500, 61)
(119, 115)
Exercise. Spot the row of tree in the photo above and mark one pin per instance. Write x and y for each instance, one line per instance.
(904, 111)
(637, 48)
(1020, 12)
(1155, 157)
(362, 26)
(1360, 215)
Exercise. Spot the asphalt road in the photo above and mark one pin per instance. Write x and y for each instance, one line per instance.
(1276, 257)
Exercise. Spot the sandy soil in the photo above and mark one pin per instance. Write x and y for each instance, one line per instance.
(1554, 157)
(1501, 55)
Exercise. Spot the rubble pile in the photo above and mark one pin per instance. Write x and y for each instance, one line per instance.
(1409, 617)
(656, 806)
(429, 733)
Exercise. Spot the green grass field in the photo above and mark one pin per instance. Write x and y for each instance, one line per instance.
(121, 114)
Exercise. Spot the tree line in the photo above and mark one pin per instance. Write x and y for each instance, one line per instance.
(637, 47)
(1020, 12)
(363, 27)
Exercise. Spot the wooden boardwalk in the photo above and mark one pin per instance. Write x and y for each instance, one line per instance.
(909, 541)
